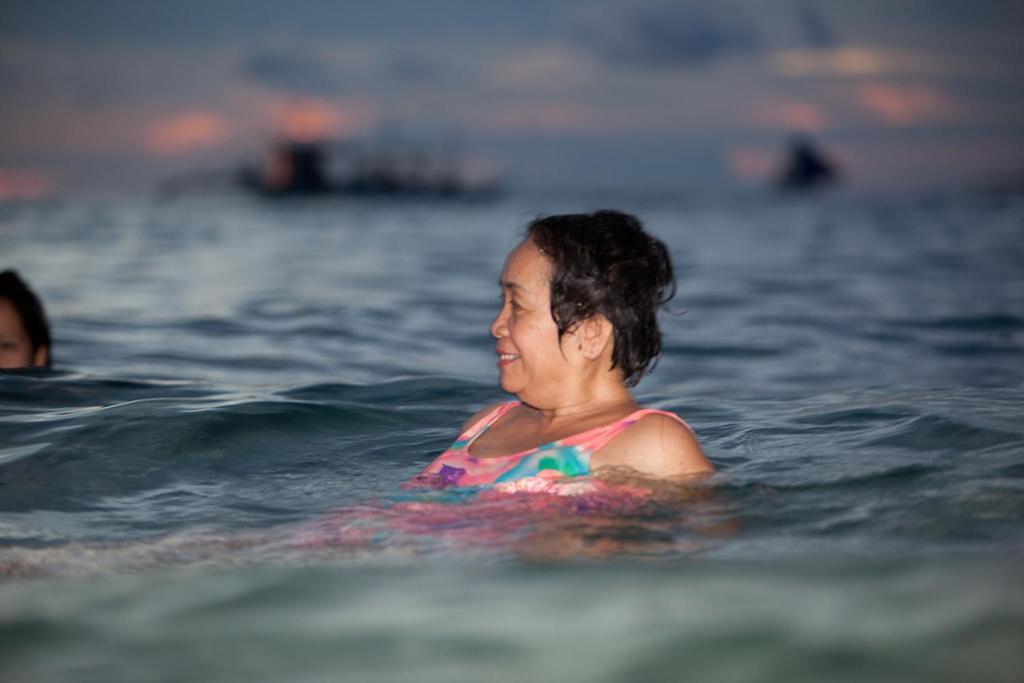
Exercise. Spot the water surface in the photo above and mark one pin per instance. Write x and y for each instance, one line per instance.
(208, 485)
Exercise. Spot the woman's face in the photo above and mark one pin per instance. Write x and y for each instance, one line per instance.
(531, 361)
(15, 344)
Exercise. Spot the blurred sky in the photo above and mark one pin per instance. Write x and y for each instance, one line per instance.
(112, 95)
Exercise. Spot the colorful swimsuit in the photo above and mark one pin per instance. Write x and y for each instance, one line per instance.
(568, 457)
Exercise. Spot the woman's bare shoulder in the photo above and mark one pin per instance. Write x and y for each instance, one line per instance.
(659, 445)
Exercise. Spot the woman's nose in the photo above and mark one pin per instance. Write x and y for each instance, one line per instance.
(499, 328)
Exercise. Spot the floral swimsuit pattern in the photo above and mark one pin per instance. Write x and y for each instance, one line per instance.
(568, 457)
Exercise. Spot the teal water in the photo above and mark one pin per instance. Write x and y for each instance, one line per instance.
(208, 485)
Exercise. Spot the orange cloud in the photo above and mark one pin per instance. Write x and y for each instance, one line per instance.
(752, 163)
(186, 132)
(308, 120)
(793, 116)
(25, 185)
(905, 105)
(852, 61)
(872, 61)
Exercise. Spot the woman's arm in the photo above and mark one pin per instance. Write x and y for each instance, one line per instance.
(656, 446)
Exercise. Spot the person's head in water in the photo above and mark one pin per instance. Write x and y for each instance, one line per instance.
(605, 264)
(24, 331)
(581, 294)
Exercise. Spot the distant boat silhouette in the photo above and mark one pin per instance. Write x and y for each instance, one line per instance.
(806, 167)
(293, 168)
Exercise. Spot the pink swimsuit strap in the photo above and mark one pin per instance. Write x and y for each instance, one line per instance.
(593, 439)
(484, 423)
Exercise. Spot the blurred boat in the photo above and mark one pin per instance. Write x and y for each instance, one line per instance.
(806, 167)
(324, 168)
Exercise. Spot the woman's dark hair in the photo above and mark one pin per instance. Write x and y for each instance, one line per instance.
(604, 263)
(29, 309)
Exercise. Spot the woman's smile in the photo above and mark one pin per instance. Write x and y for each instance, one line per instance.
(506, 358)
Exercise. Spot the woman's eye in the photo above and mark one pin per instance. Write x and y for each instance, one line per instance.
(511, 303)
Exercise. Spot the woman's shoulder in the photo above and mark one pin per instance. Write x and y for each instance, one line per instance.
(659, 444)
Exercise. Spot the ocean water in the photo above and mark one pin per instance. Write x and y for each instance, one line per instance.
(208, 485)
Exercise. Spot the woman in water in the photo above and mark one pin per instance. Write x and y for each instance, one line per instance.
(24, 332)
(577, 328)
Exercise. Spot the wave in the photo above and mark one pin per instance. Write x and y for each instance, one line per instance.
(120, 451)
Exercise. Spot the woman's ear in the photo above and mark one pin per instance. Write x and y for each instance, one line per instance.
(595, 335)
(41, 358)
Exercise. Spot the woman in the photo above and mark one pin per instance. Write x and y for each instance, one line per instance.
(577, 328)
(24, 332)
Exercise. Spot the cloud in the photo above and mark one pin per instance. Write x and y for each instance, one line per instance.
(185, 132)
(869, 61)
(292, 72)
(789, 115)
(684, 34)
(309, 119)
(906, 105)
(20, 184)
(695, 33)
